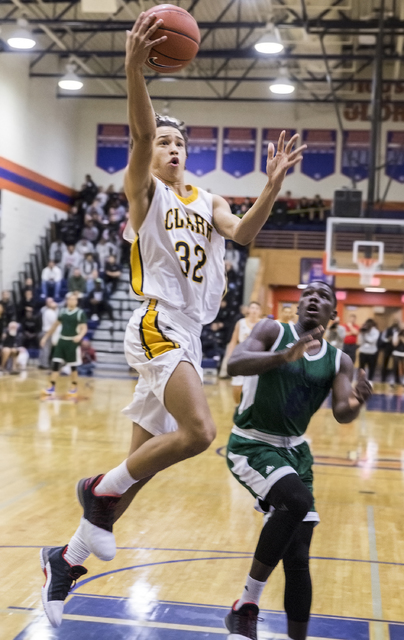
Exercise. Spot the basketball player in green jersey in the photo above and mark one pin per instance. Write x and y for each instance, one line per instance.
(290, 370)
(67, 351)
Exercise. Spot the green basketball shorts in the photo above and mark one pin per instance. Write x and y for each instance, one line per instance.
(68, 352)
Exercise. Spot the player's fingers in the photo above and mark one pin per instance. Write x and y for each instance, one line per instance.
(297, 151)
(291, 142)
(138, 22)
(281, 142)
(153, 43)
(271, 151)
(313, 344)
(153, 27)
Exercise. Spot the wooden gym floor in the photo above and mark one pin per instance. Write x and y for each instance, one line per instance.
(186, 543)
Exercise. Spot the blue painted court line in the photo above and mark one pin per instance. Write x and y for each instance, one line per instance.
(396, 632)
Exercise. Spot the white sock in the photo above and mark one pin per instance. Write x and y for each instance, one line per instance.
(115, 482)
(252, 592)
(77, 551)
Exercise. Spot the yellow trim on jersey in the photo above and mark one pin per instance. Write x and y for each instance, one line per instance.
(190, 198)
(136, 268)
(154, 342)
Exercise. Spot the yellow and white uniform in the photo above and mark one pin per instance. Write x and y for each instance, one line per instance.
(177, 269)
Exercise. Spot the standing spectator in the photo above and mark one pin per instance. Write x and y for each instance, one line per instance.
(49, 315)
(104, 249)
(398, 356)
(88, 357)
(89, 271)
(57, 251)
(387, 345)
(71, 260)
(89, 189)
(8, 307)
(84, 246)
(77, 282)
(51, 276)
(367, 341)
(30, 329)
(112, 274)
(335, 334)
(351, 337)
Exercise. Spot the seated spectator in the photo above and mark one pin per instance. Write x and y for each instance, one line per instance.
(112, 274)
(90, 232)
(84, 247)
(69, 228)
(317, 202)
(71, 260)
(13, 354)
(77, 283)
(30, 329)
(104, 249)
(234, 207)
(101, 197)
(49, 315)
(98, 301)
(290, 202)
(89, 271)
(57, 251)
(51, 279)
(94, 213)
(232, 256)
(9, 310)
(28, 285)
(27, 301)
(88, 357)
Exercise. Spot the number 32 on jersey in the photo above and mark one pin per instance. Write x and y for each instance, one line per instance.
(185, 256)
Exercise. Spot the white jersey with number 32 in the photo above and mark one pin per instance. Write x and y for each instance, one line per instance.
(178, 257)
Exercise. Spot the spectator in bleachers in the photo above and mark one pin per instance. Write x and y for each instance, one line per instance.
(101, 197)
(290, 202)
(2, 320)
(88, 357)
(232, 255)
(71, 260)
(57, 251)
(12, 349)
(9, 310)
(89, 271)
(317, 202)
(210, 345)
(69, 228)
(28, 285)
(88, 190)
(234, 207)
(98, 301)
(49, 315)
(84, 247)
(28, 301)
(77, 283)
(90, 232)
(30, 329)
(104, 249)
(51, 278)
(112, 274)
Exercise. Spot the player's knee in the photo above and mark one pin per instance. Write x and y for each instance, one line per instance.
(300, 503)
(290, 492)
(199, 438)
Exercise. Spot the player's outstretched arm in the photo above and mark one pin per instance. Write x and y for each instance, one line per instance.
(244, 231)
(139, 184)
(347, 399)
(252, 357)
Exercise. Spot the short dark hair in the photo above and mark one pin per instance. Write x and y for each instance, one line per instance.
(331, 288)
(168, 121)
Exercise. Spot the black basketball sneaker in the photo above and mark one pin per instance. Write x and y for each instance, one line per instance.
(242, 623)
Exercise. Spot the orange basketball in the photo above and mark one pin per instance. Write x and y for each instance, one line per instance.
(183, 39)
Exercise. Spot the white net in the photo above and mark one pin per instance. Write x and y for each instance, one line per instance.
(367, 270)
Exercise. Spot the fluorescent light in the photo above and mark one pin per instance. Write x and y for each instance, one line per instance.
(269, 45)
(282, 86)
(70, 81)
(21, 38)
(375, 289)
(302, 286)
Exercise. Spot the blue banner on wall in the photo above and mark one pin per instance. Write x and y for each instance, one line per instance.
(239, 144)
(112, 147)
(395, 155)
(202, 150)
(319, 157)
(272, 135)
(311, 269)
(356, 154)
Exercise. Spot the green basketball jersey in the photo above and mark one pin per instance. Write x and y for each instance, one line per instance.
(70, 320)
(282, 401)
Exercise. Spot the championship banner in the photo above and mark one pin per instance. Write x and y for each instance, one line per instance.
(272, 135)
(395, 155)
(112, 147)
(356, 155)
(239, 145)
(202, 149)
(319, 157)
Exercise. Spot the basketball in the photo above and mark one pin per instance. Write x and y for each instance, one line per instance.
(183, 39)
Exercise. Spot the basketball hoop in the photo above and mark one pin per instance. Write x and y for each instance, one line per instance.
(367, 269)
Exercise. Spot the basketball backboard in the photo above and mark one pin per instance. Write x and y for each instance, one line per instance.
(365, 247)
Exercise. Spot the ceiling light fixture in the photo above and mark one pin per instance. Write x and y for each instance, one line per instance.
(282, 85)
(21, 38)
(70, 81)
(269, 43)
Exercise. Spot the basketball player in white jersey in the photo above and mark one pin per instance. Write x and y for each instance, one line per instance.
(177, 270)
(242, 330)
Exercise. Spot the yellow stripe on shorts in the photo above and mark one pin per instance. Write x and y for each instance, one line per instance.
(154, 342)
(136, 268)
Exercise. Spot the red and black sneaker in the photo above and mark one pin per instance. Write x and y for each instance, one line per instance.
(60, 577)
(242, 623)
(99, 511)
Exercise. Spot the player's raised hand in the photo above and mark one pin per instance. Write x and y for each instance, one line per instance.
(362, 391)
(307, 341)
(138, 40)
(284, 159)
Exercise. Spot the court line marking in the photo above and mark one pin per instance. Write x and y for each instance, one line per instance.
(21, 496)
(374, 576)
